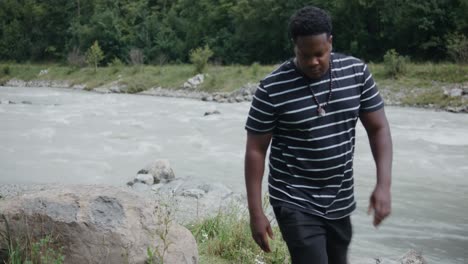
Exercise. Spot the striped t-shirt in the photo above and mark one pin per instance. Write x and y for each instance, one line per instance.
(311, 157)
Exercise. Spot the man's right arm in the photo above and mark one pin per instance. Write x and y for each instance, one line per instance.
(256, 148)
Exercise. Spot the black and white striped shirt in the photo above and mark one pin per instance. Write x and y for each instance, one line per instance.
(311, 158)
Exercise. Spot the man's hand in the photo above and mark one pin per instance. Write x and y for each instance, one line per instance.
(380, 204)
(261, 229)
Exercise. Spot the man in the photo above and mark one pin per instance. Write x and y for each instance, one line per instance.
(308, 109)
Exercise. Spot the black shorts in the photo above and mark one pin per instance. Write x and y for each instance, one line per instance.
(312, 239)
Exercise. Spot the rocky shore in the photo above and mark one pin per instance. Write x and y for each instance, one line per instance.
(84, 213)
(392, 96)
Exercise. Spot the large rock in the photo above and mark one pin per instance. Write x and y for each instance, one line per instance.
(194, 82)
(160, 170)
(100, 224)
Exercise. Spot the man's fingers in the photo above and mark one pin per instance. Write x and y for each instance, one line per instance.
(270, 232)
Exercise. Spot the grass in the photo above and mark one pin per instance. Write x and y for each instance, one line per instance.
(226, 238)
(27, 250)
(425, 78)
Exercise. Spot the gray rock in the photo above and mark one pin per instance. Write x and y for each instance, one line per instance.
(26, 102)
(161, 171)
(214, 112)
(102, 90)
(453, 92)
(145, 178)
(207, 98)
(7, 102)
(100, 224)
(413, 257)
(239, 99)
(195, 193)
(194, 82)
(141, 187)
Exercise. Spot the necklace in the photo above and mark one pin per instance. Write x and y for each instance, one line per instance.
(320, 107)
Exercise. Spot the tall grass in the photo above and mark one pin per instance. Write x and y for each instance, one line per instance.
(226, 238)
(26, 249)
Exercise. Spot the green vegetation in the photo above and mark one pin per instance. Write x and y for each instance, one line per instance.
(226, 238)
(395, 65)
(25, 250)
(199, 58)
(94, 55)
(419, 84)
(240, 32)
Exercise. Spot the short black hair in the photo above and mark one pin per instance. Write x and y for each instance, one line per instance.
(309, 20)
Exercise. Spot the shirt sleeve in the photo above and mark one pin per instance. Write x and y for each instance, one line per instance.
(370, 97)
(262, 116)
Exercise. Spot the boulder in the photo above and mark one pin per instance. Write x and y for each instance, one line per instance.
(413, 257)
(160, 170)
(100, 224)
(194, 82)
(453, 92)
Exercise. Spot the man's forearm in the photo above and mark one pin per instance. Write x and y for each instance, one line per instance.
(254, 169)
(381, 146)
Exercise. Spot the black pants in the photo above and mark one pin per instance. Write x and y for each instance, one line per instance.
(312, 239)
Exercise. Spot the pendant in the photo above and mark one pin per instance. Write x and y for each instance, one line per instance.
(321, 111)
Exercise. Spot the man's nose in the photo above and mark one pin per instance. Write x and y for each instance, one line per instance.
(312, 62)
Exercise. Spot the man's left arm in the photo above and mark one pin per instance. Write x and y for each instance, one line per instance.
(380, 140)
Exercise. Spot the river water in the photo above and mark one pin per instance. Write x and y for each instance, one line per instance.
(70, 136)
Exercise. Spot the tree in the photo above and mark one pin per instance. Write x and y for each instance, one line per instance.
(94, 55)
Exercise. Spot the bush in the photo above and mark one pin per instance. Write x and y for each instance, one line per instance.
(394, 64)
(136, 57)
(76, 59)
(199, 57)
(457, 47)
(6, 70)
(94, 55)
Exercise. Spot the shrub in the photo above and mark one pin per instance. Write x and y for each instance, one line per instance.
(136, 57)
(457, 47)
(6, 70)
(94, 55)
(199, 57)
(394, 63)
(255, 68)
(76, 59)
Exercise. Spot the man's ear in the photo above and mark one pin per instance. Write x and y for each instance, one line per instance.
(330, 42)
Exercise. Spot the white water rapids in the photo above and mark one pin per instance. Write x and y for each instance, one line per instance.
(71, 136)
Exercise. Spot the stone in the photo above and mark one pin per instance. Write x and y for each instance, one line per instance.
(100, 224)
(239, 99)
(145, 178)
(214, 112)
(453, 92)
(43, 72)
(413, 257)
(26, 102)
(160, 170)
(194, 82)
(195, 193)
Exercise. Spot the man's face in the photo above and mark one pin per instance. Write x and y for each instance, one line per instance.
(313, 54)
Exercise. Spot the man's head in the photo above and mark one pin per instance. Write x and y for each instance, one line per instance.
(310, 29)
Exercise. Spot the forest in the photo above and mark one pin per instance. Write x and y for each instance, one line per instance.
(237, 31)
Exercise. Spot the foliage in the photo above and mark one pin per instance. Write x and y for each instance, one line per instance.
(94, 55)
(395, 65)
(237, 31)
(199, 57)
(227, 236)
(25, 250)
(136, 57)
(458, 47)
(76, 59)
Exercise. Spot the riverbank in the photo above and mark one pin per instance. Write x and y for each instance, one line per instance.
(433, 86)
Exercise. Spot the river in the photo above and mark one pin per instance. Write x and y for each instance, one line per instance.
(71, 136)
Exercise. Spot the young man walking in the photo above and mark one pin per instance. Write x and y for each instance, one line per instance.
(307, 109)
